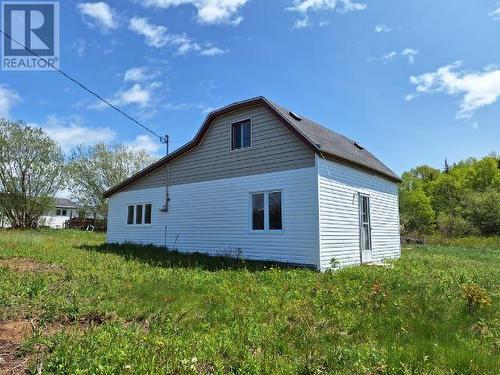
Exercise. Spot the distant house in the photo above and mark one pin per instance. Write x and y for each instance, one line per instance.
(266, 183)
(64, 210)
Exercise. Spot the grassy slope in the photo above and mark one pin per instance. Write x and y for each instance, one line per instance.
(172, 313)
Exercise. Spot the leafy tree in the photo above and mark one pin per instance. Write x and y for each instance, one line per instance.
(31, 172)
(465, 197)
(95, 169)
(417, 214)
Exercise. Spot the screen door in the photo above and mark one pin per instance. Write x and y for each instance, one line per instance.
(365, 235)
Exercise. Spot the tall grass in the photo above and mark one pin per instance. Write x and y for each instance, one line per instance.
(128, 309)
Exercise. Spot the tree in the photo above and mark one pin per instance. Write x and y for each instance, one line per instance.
(31, 172)
(95, 169)
(416, 212)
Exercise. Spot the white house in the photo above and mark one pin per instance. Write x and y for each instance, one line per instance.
(64, 210)
(267, 183)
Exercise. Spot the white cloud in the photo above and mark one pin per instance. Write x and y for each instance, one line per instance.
(495, 14)
(476, 89)
(136, 95)
(212, 51)
(71, 131)
(139, 74)
(145, 142)
(99, 14)
(410, 53)
(341, 6)
(382, 29)
(158, 36)
(208, 11)
(8, 99)
(306, 7)
(301, 23)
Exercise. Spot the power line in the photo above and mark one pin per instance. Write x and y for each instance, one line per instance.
(162, 139)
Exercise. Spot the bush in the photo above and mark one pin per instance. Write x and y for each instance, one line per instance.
(454, 226)
(475, 297)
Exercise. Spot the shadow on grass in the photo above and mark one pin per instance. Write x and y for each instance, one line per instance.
(160, 257)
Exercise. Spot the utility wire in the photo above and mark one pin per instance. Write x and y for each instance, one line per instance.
(162, 139)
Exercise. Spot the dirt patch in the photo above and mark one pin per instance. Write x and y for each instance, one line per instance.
(28, 265)
(12, 334)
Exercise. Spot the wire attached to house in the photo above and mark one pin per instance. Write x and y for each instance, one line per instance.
(74, 80)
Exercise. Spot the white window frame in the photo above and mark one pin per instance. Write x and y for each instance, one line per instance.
(134, 224)
(266, 229)
(231, 135)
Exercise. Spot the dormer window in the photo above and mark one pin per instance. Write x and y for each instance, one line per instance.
(241, 134)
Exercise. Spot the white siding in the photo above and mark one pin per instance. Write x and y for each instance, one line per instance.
(214, 217)
(338, 188)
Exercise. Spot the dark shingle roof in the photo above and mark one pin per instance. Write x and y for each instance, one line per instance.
(334, 144)
(65, 203)
(320, 139)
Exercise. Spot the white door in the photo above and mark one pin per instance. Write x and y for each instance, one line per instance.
(365, 229)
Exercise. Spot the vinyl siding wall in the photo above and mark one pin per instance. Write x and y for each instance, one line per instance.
(338, 188)
(214, 217)
(274, 148)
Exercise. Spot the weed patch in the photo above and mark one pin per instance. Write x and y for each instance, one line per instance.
(28, 265)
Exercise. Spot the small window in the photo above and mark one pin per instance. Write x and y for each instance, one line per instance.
(64, 213)
(138, 214)
(258, 211)
(130, 215)
(241, 135)
(147, 214)
(267, 213)
(58, 212)
(275, 211)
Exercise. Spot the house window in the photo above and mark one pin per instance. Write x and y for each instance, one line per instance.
(139, 214)
(130, 215)
(258, 211)
(64, 213)
(241, 135)
(267, 213)
(58, 212)
(147, 214)
(275, 220)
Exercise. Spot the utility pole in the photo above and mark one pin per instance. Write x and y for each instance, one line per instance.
(166, 141)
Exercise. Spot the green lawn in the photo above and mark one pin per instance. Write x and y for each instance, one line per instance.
(99, 309)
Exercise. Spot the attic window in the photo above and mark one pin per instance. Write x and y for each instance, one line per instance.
(295, 116)
(358, 146)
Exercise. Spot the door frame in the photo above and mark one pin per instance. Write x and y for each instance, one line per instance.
(361, 196)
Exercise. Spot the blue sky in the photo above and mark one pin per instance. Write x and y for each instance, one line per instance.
(414, 81)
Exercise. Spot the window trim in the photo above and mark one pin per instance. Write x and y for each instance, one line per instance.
(266, 229)
(231, 149)
(143, 204)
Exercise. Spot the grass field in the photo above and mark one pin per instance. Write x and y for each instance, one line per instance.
(71, 304)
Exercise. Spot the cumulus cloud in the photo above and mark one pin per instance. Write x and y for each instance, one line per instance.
(208, 11)
(72, 131)
(145, 142)
(139, 74)
(476, 89)
(99, 14)
(8, 99)
(158, 36)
